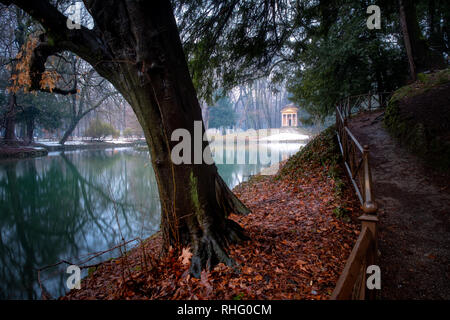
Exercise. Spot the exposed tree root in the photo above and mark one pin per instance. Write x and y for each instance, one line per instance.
(210, 249)
(228, 200)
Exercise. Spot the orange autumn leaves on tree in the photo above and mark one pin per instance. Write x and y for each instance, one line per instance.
(21, 77)
(49, 79)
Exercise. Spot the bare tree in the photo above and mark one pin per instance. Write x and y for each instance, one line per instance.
(94, 92)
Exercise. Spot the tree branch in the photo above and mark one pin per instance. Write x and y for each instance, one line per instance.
(40, 55)
(99, 103)
(57, 38)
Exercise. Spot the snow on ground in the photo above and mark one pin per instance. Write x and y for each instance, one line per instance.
(48, 143)
(81, 142)
(56, 143)
(120, 141)
(286, 137)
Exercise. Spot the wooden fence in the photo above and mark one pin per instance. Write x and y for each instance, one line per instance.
(352, 282)
(369, 101)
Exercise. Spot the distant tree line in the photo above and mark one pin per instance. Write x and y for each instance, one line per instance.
(86, 96)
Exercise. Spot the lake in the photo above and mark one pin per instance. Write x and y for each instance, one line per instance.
(69, 206)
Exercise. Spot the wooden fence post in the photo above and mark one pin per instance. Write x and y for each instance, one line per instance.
(369, 206)
(369, 221)
(344, 141)
(348, 108)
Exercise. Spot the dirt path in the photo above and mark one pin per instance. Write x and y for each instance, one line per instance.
(414, 217)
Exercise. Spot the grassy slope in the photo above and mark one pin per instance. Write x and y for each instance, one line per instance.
(321, 153)
(322, 150)
(418, 115)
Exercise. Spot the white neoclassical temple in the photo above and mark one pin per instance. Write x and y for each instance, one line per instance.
(289, 116)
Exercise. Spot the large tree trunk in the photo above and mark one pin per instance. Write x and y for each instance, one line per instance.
(136, 46)
(195, 201)
(424, 58)
(10, 126)
(30, 130)
(10, 120)
(407, 40)
(70, 129)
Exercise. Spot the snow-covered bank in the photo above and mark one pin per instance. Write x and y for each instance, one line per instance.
(40, 148)
(281, 137)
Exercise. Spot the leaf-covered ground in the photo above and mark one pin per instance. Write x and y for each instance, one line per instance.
(302, 228)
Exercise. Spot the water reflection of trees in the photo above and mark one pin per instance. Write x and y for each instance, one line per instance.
(234, 172)
(63, 207)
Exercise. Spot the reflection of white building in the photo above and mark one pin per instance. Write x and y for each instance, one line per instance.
(289, 116)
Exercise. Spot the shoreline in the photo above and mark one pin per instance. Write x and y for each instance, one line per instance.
(18, 149)
(21, 151)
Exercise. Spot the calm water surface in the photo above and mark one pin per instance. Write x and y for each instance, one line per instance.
(69, 206)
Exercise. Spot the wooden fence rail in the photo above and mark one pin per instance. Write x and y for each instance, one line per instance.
(352, 281)
(369, 101)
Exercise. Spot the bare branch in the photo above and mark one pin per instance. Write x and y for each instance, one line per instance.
(99, 103)
(58, 38)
